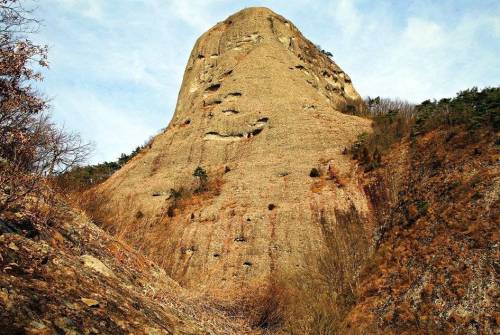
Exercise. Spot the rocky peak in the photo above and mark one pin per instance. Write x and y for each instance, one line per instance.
(261, 35)
(259, 109)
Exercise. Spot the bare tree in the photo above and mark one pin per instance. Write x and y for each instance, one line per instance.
(31, 146)
(57, 151)
(381, 106)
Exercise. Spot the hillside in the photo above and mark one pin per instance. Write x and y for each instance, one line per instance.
(67, 276)
(435, 268)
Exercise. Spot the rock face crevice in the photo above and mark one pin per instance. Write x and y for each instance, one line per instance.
(263, 100)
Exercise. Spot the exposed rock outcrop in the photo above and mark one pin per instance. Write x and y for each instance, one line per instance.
(259, 107)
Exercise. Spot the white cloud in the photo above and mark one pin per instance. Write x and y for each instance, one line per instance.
(423, 34)
(88, 8)
(415, 57)
(346, 16)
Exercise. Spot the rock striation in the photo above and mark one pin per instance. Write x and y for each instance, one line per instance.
(267, 115)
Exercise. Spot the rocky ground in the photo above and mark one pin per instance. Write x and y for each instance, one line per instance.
(73, 278)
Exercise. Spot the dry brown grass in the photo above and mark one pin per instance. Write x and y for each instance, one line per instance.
(92, 203)
(156, 164)
(265, 307)
(317, 301)
(146, 231)
(322, 294)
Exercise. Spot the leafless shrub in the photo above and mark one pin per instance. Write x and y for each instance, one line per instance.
(58, 150)
(381, 106)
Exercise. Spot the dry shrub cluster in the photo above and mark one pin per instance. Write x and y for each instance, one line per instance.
(264, 307)
(321, 295)
(392, 120)
(93, 204)
(310, 303)
(184, 199)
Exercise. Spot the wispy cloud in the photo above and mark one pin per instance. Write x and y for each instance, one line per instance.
(88, 8)
(427, 50)
(117, 65)
(113, 129)
(346, 17)
(195, 13)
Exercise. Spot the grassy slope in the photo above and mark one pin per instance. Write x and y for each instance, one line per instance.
(436, 266)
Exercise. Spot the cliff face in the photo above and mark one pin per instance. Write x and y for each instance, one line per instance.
(267, 115)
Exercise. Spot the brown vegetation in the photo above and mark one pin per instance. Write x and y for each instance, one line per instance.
(264, 307)
(433, 270)
(147, 234)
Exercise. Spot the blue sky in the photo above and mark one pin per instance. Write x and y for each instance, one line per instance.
(116, 65)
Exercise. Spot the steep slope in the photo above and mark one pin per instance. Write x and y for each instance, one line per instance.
(267, 115)
(435, 268)
(70, 277)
